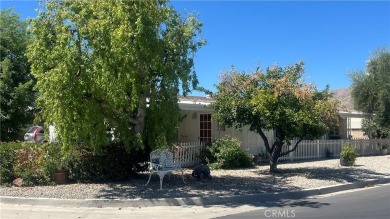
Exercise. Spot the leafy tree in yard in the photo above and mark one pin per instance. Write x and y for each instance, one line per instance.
(372, 129)
(278, 100)
(113, 64)
(16, 84)
(371, 93)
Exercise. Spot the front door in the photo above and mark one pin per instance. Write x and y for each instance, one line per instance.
(205, 128)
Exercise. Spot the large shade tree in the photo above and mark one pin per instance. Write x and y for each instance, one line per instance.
(276, 100)
(113, 65)
(371, 93)
(16, 82)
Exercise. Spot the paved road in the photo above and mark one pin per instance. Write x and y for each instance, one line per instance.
(363, 203)
(9, 211)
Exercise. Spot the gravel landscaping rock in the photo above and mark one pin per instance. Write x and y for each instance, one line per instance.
(293, 177)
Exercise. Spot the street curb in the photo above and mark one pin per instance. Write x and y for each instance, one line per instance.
(198, 201)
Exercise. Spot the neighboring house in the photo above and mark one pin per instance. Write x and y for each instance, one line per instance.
(350, 123)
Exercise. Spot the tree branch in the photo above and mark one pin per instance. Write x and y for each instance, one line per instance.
(294, 148)
(265, 139)
(273, 146)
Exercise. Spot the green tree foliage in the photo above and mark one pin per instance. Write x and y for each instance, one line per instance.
(278, 100)
(16, 84)
(371, 92)
(373, 130)
(113, 64)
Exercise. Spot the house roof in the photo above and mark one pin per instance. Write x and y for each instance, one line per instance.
(195, 102)
(196, 99)
(343, 95)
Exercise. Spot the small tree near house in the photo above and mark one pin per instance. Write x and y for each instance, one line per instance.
(277, 100)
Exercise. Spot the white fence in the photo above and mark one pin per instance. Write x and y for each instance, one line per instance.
(188, 153)
(316, 149)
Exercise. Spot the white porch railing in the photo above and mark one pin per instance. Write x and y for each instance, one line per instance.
(188, 153)
(316, 149)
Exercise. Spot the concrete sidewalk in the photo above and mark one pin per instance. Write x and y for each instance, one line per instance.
(194, 201)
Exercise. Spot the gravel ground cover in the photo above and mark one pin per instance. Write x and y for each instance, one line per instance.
(295, 176)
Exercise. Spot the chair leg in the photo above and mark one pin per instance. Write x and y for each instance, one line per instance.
(161, 175)
(150, 176)
(182, 177)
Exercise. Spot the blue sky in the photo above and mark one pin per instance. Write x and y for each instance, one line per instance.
(333, 38)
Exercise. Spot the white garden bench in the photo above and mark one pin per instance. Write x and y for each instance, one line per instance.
(162, 162)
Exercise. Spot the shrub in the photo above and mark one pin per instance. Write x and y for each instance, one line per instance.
(29, 164)
(55, 159)
(25, 160)
(7, 160)
(113, 163)
(36, 163)
(206, 155)
(226, 153)
(348, 155)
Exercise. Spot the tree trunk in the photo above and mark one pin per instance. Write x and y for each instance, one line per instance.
(273, 165)
(273, 161)
(274, 157)
(140, 126)
(141, 114)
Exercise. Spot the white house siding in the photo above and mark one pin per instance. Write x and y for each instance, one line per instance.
(250, 141)
(189, 131)
(189, 128)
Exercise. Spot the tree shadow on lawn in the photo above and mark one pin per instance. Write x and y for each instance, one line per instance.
(230, 185)
(175, 188)
(339, 175)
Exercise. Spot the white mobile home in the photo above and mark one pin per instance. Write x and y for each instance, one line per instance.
(198, 125)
